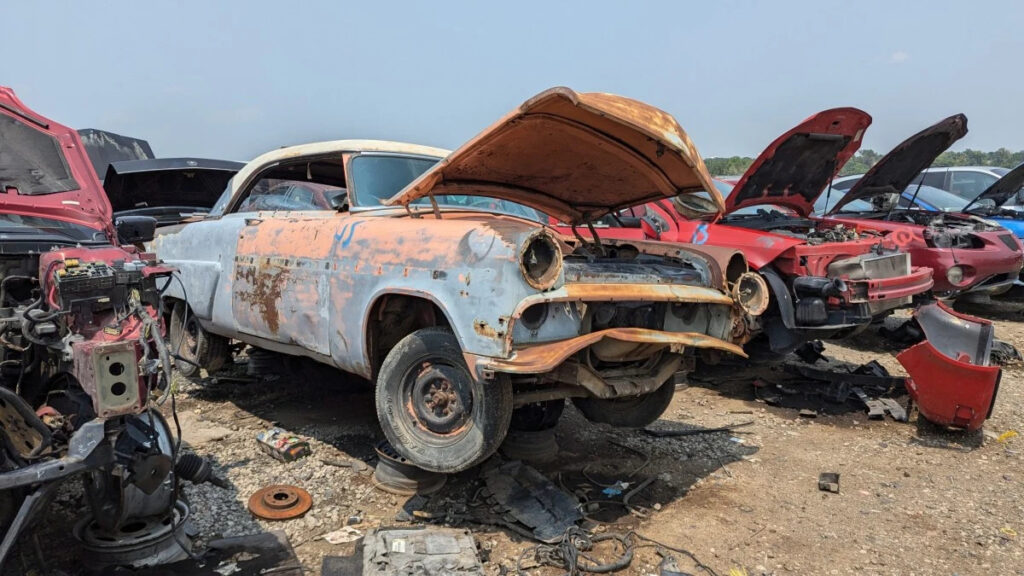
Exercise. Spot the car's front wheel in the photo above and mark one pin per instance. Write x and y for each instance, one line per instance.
(432, 410)
(195, 347)
(628, 412)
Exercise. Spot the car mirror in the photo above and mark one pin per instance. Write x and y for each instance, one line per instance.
(135, 229)
(1020, 196)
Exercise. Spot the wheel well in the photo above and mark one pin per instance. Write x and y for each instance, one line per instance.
(395, 316)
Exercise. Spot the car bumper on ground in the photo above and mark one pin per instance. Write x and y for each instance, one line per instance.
(950, 378)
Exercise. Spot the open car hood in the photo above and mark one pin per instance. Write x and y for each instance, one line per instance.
(573, 156)
(795, 168)
(1001, 190)
(166, 182)
(105, 148)
(897, 169)
(45, 171)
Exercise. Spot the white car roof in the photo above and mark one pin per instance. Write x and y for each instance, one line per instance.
(331, 147)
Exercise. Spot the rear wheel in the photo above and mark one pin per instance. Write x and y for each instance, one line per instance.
(628, 412)
(432, 410)
(196, 347)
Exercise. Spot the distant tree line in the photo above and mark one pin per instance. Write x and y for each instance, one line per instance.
(865, 159)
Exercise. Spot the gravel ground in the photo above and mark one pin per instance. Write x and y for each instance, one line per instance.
(914, 499)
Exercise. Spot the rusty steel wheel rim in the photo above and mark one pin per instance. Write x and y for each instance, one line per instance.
(280, 502)
(441, 397)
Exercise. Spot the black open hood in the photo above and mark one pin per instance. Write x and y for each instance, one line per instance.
(146, 185)
(1001, 190)
(104, 148)
(897, 169)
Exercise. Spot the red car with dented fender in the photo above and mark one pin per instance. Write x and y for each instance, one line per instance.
(969, 254)
(825, 282)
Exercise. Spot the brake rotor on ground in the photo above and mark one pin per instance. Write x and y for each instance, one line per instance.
(280, 502)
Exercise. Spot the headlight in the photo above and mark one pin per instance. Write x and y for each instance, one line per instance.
(540, 260)
(751, 293)
(955, 275)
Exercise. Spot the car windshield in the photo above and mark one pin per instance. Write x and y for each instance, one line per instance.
(914, 198)
(377, 178)
(16, 226)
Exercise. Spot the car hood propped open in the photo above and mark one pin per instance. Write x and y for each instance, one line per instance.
(897, 169)
(573, 156)
(45, 171)
(195, 182)
(1001, 190)
(796, 168)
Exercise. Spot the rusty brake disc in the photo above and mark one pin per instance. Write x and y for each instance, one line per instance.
(280, 502)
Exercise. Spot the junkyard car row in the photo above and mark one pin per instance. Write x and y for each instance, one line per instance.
(576, 249)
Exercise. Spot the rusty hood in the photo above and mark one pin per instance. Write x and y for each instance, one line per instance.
(897, 169)
(573, 156)
(795, 168)
(45, 171)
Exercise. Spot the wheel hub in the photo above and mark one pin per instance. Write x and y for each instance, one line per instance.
(440, 398)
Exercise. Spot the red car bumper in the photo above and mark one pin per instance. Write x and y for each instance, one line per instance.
(873, 290)
(950, 379)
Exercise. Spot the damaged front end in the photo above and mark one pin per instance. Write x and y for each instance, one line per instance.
(82, 354)
(950, 376)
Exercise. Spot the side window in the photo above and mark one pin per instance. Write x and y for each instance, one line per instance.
(935, 179)
(969, 184)
(277, 194)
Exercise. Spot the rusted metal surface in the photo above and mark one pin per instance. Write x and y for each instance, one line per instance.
(280, 502)
(545, 357)
(573, 156)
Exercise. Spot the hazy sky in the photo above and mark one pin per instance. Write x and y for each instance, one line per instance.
(234, 79)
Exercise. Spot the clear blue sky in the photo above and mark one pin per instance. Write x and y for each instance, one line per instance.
(234, 79)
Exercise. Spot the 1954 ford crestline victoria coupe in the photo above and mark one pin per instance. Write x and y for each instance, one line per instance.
(426, 277)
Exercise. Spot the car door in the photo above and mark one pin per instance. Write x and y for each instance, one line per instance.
(280, 289)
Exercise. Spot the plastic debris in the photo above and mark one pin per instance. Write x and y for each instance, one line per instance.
(829, 482)
(1006, 435)
(343, 536)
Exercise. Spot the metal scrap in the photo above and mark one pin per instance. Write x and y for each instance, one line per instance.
(423, 550)
(280, 502)
(524, 495)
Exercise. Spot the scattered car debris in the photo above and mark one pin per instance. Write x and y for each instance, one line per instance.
(829, 482)
(951, 380)
(145, 541)
(252, 555)
(280, 502)
(282, 445)
(421, 550)
(343, 535)
(1004, 353)
(357, 466)
(531, 499)
(395, 475)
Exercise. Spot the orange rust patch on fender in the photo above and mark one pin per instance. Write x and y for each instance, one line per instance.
(266, 283)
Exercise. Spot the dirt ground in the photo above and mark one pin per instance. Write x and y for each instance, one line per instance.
(913, 499)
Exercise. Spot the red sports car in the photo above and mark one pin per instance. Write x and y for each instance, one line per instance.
(968, 254)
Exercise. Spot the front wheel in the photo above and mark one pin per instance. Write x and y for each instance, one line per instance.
(432, 410)
(628, 412)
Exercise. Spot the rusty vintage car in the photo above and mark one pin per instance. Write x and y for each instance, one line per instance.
(433, 276)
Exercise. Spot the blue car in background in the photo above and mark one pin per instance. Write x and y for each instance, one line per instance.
(997, 203)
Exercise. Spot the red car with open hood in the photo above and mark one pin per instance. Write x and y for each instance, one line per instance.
(826, 282)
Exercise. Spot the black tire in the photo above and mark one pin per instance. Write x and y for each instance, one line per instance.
(199, 348)
(629, 412)
(538, 416)
(440, 435)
